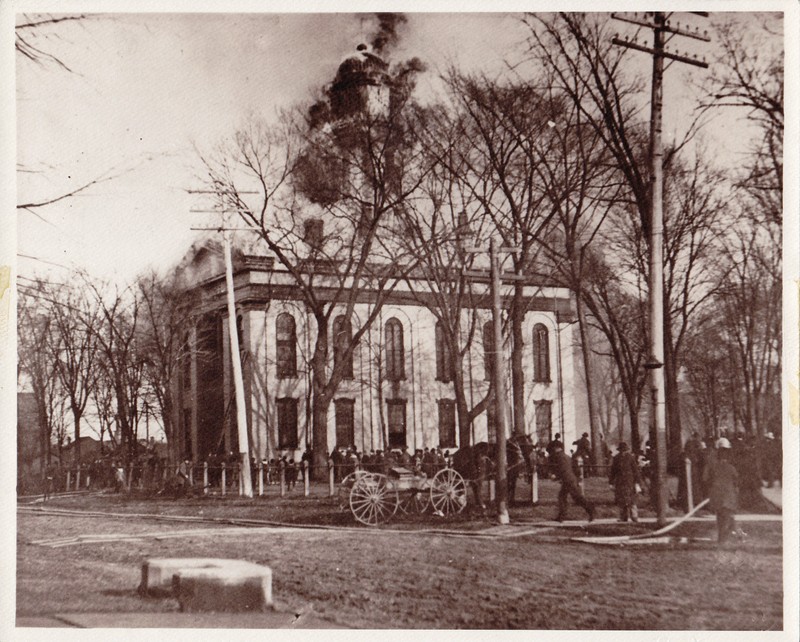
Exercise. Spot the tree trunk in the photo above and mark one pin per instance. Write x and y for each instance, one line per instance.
(517, 351)
(462, 409)
(672, 405)
(320, 401)
(674, 428)
(636, 440)
(587, 369)
(76, 418)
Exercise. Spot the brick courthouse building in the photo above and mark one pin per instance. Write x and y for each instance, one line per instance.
(399, 391)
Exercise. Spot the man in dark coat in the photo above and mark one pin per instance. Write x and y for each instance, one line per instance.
(625, 477)
(569, 484)
(554, 443)
(723, 489)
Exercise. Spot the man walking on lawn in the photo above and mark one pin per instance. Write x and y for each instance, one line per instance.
(625, 479)
(569, 485)
(723, 484)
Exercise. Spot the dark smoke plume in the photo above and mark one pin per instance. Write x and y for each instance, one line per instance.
(387, 35)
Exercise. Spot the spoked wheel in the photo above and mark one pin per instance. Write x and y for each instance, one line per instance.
(416, 501)
(448, 492)
(345, 486)
(372, 499)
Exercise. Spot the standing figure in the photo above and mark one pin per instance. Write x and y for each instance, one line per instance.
(626, 479)
(723, 489)
(569, 484)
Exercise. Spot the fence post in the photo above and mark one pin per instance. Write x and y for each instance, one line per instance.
(69, 476)
(580, 473)
(260, 478)
(240, 478)
(282, 469)
(491, 490)
(306, 481)
(129, 479)
(205, 478)
(331, 482)
(689, 484)
(224, 479)
(78, 478)
(535, 486)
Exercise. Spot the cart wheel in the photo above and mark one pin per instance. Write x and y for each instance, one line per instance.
(345, 486)
(448, 492)
(372, 499)
(416, 500)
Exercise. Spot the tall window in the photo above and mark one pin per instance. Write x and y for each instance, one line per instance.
(345, 426)
(342, 336)
(396, 411)
(544, 421)
(488, 350)
(395, 355)
(285, 346)
(444, 361)
(447, 423)
(541, 353)
(287, 422)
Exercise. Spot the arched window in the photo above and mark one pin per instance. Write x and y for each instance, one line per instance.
(342, 337)
(444, 361)
(395, 355)
(488, 350)
(285, 346)
(541, 353)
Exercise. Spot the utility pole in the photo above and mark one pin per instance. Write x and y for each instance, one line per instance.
(236, 360)
(500, 389)
(660, 24)
(500, 394)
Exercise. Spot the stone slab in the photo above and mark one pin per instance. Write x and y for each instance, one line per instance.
(157, 572)
(209, 584)
(234, 589)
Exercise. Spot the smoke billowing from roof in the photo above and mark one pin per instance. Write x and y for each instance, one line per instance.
(387, 31)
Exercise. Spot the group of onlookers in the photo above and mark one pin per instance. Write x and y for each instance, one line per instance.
(427, 461)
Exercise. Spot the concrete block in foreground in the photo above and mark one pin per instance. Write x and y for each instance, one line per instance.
(209, 584)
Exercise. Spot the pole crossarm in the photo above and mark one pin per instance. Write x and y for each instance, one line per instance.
(663, 53)
(677, 30)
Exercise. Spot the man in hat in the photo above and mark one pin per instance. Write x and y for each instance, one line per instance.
(569, 485)
(625, 478)
(723, 489)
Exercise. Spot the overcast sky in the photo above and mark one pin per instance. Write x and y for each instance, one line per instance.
(146, 88)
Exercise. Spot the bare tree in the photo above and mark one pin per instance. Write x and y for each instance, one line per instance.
(35, 353)
(503, 123)
(116, 334)
(165, 313)
(74, 319)
(438, 228)
(749, 77)
(330, 189)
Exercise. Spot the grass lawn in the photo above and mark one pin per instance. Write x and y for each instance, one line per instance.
(407, 575)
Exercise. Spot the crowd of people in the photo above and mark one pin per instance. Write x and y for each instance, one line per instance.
(757, 463)
(427, 461)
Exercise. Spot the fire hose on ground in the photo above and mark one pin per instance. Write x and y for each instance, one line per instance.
(642, 538)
